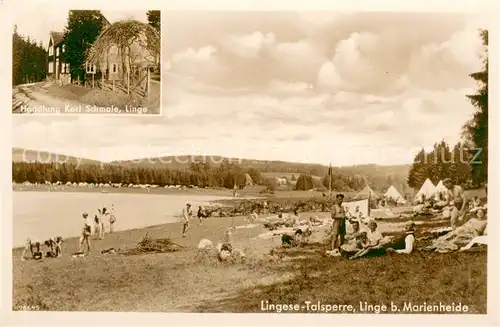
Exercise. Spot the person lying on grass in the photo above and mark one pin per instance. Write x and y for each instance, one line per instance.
(478, 240)
(315, 221)
(298, 238)
(293, 219)
(252, 217)
(461, 235)
(405, 244)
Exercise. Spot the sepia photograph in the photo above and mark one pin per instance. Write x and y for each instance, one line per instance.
(305, 162)
(85, 61)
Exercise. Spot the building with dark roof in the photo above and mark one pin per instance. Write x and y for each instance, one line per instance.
(57, 68)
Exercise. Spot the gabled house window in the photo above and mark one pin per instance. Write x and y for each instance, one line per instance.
(51, 67)
(51, 51)
(63, 47)
(65, 68)
(90, 68)
(57, 51)
(114, 68)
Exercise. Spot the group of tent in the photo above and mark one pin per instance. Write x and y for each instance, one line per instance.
(392, 192)
(428, 190)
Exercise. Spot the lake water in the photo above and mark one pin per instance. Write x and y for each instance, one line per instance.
(40, 215)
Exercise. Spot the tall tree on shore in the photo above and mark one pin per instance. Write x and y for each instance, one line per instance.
(476, 129)
(418, 170)
(83, 28)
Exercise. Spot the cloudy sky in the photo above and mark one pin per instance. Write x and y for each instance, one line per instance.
(37, 18)
(308, 87)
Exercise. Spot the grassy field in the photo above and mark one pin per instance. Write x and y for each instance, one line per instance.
(185, 281)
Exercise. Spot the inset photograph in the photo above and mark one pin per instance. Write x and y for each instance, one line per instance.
(86, 62)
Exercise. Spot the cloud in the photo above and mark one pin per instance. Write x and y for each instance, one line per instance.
(444, 65)
(200, 55)
(278, 86)
(372, 86)
(250, 45)
(295, 50)
(329, 77)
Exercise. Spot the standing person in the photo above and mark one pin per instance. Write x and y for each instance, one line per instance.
(201, 215)
(456, 197)
(99, 225)
(28, 246)
(186, 214)
(86, 231)
(112, 219)
(338, 226)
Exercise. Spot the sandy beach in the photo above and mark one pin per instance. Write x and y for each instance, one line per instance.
(188, 281)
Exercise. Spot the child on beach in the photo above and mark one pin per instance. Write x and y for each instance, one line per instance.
(186, 214)
(86, 231)
(99, 226)
(37, 255)
(201, 215)
(28, 246)
(112, 219)
(55, 247)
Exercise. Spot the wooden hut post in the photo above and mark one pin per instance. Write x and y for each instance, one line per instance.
(148, 84)
(128, 80)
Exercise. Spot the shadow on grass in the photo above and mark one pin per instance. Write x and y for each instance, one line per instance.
(419, 278)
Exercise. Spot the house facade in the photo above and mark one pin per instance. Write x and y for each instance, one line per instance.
(57, 68)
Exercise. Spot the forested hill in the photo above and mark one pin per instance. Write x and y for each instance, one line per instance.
(28, 155)
(379, 177)
(265, 166)
(352, 177)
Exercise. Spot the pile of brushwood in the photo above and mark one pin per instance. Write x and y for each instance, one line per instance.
(154, 245)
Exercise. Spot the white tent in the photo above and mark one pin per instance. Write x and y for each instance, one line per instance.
(441, 190)
(393, 193)
(428, 190)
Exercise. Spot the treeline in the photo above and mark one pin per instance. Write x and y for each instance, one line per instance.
(349, 183)
(199, 174)
(443, 162)
(28, 60)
